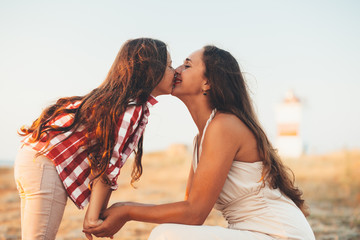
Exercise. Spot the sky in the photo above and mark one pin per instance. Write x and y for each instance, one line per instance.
(52, 49)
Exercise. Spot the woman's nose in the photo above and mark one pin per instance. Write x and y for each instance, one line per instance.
(179, 69)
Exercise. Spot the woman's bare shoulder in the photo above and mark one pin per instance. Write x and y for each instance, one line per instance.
(228, 122)
(229, 126)
(235, 132)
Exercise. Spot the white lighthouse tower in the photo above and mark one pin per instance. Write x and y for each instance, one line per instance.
(288, 119)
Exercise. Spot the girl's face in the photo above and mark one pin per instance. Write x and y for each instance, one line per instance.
(190, 79)
(166, 84)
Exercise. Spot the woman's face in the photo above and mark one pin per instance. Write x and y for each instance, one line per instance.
(166, 84)
(190, 78)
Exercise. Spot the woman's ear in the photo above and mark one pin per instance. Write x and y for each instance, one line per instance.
(206, 85)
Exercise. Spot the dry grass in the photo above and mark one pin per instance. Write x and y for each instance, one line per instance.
(331, 186)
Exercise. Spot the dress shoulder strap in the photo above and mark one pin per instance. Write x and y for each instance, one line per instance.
(196, 147)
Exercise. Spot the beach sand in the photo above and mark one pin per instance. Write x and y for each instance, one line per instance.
(331, 186)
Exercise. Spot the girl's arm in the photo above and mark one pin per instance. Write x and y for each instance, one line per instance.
(220, 146)
(99, 198)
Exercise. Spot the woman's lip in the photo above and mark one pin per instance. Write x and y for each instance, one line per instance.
(177, 80)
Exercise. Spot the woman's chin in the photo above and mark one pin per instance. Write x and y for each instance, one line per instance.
(178, 95)
(176, 92)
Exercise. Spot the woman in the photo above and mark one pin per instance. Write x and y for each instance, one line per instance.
(78, 145)
(234, 168)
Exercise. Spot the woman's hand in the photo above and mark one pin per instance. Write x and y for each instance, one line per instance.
(114, 217)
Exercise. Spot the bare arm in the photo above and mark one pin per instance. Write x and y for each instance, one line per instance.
(189, 182)
(203, 188)
(99, 199)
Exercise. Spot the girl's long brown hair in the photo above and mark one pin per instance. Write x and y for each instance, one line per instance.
(228, 93)
(137, 70)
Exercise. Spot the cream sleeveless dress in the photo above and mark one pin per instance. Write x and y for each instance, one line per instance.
(252, 211)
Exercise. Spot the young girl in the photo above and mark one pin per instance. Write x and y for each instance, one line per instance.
(78, 145)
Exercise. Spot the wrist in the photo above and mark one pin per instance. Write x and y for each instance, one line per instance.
(91, 218)
(92, 223)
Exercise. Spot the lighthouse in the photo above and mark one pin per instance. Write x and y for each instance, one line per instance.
(288, 120)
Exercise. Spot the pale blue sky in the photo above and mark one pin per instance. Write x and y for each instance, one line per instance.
(51, 49)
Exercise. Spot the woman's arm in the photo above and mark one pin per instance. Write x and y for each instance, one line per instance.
(219, 149)
(189, 182)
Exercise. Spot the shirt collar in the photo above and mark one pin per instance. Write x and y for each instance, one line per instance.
(151, 101)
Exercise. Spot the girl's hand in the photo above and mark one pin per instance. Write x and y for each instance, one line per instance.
(88, 224)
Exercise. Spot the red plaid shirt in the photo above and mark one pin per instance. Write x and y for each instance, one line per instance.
(71, 160)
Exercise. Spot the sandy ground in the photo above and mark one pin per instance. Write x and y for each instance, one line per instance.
(331, 185)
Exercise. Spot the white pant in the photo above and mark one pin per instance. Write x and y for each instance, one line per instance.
(43, 196)
(189, 232)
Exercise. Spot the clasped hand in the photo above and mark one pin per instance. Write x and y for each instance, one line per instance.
(114, 218)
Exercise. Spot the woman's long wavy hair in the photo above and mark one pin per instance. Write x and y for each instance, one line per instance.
(137, 70)
(229, 93)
